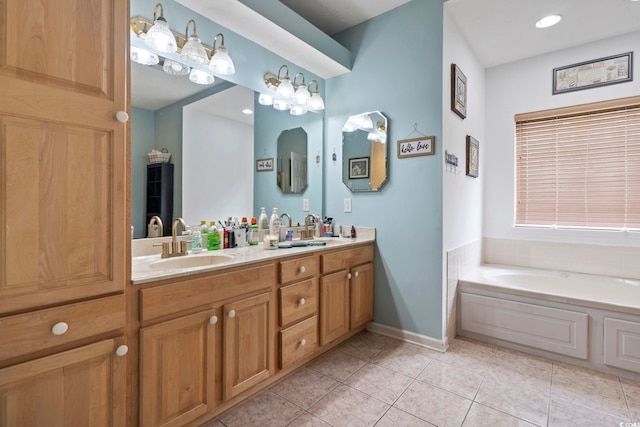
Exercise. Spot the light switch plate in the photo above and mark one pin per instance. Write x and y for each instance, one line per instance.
(347, 205)
(305, 205)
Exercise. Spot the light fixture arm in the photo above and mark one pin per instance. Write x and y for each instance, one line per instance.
(294, 80)
(312, 82)
(186, 30)
(215, 39)
(286, 76)
(155, 11)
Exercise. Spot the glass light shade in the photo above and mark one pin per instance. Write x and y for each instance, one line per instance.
(265, 99)
(364, 122)
(160, 38)
(350, 126)
(285, 89)
(194, 51)
(175, 68)
(315, 102)
(298, 110)
(221, 62)
(200, 77)
(373, 136)
(281, 105)
(302, 94)
(143, 57)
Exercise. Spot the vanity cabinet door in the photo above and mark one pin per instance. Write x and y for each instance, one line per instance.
(80, 387)
(361, 295)
(248, 343)
(334, 306)
(177, 370)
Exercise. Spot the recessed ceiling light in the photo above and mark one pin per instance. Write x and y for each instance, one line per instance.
(548, 21)
(247, 111)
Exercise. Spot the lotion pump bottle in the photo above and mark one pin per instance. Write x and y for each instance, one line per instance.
(274, 224)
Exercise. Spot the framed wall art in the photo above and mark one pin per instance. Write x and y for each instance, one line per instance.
(473, 156)
(359, 167)
(598, 72)
(458, 91)
(423, 146)
(264, 165)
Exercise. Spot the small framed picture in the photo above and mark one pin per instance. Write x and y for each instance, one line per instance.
(458, 91)
(264, 165)
(473, 156)
(423, 146)
(359, 167)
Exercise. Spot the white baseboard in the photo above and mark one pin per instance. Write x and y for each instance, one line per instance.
(410, 337)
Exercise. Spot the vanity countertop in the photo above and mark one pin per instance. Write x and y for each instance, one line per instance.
(151, 268)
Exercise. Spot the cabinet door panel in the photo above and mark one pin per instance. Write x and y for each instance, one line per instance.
(361, 295)
(248, 343)
(334, 306)
(80, 387)
(177, 381)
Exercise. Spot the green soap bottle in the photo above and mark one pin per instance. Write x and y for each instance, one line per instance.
(213, 238)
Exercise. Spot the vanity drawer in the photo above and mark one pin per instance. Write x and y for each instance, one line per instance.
(33, 332)
(298, 301)
(298, 269)
(298, 341)
(341, 260)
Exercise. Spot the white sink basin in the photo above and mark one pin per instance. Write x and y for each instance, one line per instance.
(191, 261)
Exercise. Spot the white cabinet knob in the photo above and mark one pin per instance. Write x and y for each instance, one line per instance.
(302, 301)
(357, 273)
(303, 342)
(349, 276)
(122, 350)
(60, 328)
(214, 319)
(302, 269)
(231, 314)
(122, 116)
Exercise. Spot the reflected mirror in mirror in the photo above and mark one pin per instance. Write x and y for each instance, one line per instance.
(291, 174)
(364, 152)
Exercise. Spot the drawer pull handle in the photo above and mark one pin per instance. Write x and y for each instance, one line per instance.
(302, 301)
(349, 276)
(60, 328)
(357, 273)
(122, 116)
(122, 350)
(231, 314)
(302, 269)
(214, 319)
(303, 342)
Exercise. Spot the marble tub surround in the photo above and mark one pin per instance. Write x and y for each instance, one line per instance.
(472, 384)
(145, 255)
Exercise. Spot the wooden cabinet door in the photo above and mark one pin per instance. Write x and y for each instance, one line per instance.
(63, 153)
(334, 306)
(361, 295)
(177, 370)
(81, 387)
(248, 343)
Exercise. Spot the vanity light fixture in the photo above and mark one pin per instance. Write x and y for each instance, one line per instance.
(175, 68)
(284, 95)
(159, 37)
(201, 77)
(221, 62)
(144, 57)
(193, 50)
(548, 21)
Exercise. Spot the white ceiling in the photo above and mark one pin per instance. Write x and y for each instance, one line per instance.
(499, 31)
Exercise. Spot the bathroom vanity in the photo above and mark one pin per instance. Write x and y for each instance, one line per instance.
(212, 333)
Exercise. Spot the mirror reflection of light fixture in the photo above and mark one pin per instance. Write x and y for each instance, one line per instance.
(221, 62)
(200, 77)
(174, 68)
(193, 50)
(284, 95)
(144, 57)
(159, 37)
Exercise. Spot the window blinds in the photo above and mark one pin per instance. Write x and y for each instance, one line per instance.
(579, 169)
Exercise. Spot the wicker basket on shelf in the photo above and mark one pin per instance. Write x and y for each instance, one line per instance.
(156, 156)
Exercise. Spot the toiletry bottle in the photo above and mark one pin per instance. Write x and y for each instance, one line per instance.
(204, 232)
(263, 221)
(353, 232)
(213, 238)
(274, 224)
(226, 238)
(196, 246)
(254, 232)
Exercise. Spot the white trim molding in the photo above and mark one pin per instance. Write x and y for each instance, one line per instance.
(408, 336)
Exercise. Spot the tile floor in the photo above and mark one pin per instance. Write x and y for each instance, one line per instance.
(372, 380)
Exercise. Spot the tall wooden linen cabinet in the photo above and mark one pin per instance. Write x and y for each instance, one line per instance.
(64, 235)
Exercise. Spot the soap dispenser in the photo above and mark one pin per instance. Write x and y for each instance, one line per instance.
(274, 224)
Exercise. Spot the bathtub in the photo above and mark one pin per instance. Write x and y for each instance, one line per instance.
(585, 319)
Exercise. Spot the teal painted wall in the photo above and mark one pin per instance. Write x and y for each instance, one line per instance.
(142, 141)
(398, 71)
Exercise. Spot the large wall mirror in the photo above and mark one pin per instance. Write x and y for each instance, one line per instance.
(364, 152)
(213, 153)
(292, 161)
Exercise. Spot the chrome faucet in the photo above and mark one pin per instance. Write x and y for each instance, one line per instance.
(157, 221)
(284, 214)
(309, 234)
